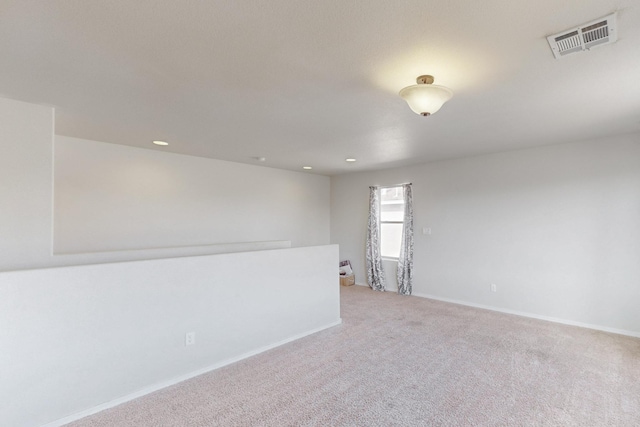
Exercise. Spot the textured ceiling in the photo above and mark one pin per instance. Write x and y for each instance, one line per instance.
(314, 82)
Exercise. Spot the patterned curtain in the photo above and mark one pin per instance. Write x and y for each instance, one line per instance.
(405, 261)
(375, 273)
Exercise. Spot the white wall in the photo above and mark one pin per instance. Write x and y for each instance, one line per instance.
(74, 338)
(26, 138)
(116, 203)
(113, 197)
(390, 267)
(556, 228)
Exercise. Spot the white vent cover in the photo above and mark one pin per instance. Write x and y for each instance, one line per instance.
(595, 33)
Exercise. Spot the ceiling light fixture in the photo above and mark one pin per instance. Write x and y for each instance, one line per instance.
(307, 168)
(350, 160)
(425, 98)
(160, 143)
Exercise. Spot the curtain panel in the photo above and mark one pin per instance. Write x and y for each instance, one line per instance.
(405, 260)
(375, 272)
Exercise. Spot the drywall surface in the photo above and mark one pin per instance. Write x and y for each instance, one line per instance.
(390, 267)
(26, 136)
(111, 203)
(73, 338)
(556, 229)
(112, 197)
(76, 338)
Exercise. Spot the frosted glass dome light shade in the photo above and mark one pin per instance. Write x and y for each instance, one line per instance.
(425, 98)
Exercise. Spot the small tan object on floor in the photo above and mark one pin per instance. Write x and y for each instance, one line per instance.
(348, 280)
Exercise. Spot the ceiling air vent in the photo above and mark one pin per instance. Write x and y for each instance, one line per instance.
(599, 32)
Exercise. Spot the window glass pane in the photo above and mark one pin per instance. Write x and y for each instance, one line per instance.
(391, 193)
(390, 239)
(392, 212)
(391, 204)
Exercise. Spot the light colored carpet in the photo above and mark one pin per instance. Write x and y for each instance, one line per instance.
(409, 361)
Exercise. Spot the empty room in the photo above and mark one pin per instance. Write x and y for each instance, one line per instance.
(319, 213)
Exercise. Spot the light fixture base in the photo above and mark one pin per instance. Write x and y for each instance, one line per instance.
(424, 80)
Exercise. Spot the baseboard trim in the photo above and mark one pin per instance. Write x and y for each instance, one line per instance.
(176, 380)
(532, 315)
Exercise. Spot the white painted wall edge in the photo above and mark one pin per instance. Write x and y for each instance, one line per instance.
(525, 314)
(212, 248)
(129, 255)
(181, 378)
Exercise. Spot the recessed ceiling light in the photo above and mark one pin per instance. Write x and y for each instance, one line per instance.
(261, 159)
(350, 160)
(307, 167)
(160, 143)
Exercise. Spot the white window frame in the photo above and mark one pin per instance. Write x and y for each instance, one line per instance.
(392, 258)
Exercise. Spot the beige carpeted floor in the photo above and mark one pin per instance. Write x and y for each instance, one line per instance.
(409, 361)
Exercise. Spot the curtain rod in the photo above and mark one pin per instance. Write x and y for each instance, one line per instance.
(391, 186)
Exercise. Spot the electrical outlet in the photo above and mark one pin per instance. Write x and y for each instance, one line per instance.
(494, 288)
(190, 338)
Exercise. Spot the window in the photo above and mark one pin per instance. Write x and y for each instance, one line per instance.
(391, 219)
